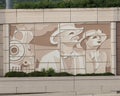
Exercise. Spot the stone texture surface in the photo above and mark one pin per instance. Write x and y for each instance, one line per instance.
(80, 15)
(1, 50)
(65, 86)
(87, 15)
(10, 16)
(57, 15)
(29, 16)
(118, 49)
(107, 14)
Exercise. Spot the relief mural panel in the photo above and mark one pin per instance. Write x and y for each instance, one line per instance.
(65, 47)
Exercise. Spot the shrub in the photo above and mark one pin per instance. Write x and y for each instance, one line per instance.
(16, 74)
(96, 74)
(50, 72)
(63, 74)
(36, 74)
(108, 74)
(66, 4)
(44, 73)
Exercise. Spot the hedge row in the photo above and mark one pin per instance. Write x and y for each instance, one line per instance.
(67, 4)
(43, 73)
(50, 73)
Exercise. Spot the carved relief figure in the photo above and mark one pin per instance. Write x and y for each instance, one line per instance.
(96, 60)
(65, 59)
(65, 47)
(20, 51)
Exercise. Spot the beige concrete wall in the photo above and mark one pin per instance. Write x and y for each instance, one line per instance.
(59, 15)
(118, 48)
(5, 48)
(1, 50)
(30, 16)
(68, 86)
(60, 86)
(113, 46)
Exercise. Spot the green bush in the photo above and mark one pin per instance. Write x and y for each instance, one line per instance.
(44, 73)
(50, 72)
(67, 4)
(96, 74)
(108, 74)
(63, 74)
(36, 74)
(16, 74)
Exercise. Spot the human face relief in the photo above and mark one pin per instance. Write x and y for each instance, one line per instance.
(94, 40)
(70, 36)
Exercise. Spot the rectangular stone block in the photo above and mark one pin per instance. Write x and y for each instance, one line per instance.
(6, 57)
(2, 16)
(8, 90)
(1, 27)
(83, 15)
(107, 14)
(5, 68)
(29, 16)
(118, 15)
(31, 88)
(118, 56)
(57, 15)
(1, 37)
(1, 65)
(113, 48)
(5, 30)
(113, 61)
(118, 45)
(1, 49)
(118, 68)
(118, 29)
(6, 43)
(10, 16)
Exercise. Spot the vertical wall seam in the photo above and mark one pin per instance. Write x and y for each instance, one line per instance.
(97, 14)
(16, 16)
(43, 15)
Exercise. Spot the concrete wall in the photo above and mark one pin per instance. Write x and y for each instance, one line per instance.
(77, 15)
(118, 48)
(65, 86)
(1, 49)
(83, 15)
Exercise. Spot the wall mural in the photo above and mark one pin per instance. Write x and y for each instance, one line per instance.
(65, 47)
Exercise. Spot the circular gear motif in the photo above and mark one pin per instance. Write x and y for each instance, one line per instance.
(14, 50)
(17, 51)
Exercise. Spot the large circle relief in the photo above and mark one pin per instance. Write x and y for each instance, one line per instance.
(17, 51)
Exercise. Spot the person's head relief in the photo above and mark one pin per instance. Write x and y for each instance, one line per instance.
(93, 39)
(66, 34)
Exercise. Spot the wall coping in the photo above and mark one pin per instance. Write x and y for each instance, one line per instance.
(8, 16)
(12, 79)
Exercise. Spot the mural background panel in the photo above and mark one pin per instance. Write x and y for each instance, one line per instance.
(42, 35)
(68, 47)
